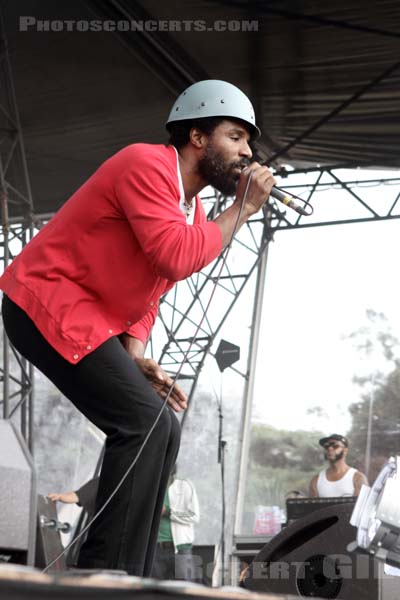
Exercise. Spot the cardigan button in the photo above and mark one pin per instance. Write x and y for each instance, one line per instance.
(129, 323)
(110, 331)
(152, 303)
(76, 356)
(88, 347)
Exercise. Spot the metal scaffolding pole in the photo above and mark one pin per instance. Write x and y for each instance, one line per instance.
(249, 387)
(15, 191)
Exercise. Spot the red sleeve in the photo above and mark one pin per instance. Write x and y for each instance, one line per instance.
(142, 329)
(147, 194)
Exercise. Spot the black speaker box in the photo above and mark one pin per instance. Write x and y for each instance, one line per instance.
(310, 559)
(203, 561)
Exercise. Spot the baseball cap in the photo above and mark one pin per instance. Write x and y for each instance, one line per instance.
(334, 436)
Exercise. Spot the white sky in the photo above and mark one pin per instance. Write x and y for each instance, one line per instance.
(319, 284)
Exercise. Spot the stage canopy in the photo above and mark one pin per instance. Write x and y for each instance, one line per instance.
(324, 79)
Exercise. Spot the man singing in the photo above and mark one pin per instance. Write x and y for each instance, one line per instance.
(81, 298)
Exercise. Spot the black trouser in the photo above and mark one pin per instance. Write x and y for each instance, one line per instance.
(109, 389)
(168, 565)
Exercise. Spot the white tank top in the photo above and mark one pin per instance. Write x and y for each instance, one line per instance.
(342, 487)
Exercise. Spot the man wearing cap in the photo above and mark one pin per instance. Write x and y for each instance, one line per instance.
(339, 479)
(82, 297)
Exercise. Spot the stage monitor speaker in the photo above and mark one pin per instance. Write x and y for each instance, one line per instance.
(203, 561)
(310, 559)
(17, 497)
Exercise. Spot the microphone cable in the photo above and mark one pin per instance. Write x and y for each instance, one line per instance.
(139, 452)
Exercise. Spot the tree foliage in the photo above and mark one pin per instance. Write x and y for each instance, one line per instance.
(280, 461)
(380, 394)
(282, 449)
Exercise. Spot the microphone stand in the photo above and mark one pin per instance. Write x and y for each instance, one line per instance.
(221, 461)
(227, 354)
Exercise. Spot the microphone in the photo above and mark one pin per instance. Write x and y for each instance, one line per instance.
(288, 200)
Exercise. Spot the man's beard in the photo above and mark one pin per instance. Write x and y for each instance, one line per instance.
(336, 458)
(221, 175)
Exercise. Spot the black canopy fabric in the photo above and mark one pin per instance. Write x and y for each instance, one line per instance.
(324, 79)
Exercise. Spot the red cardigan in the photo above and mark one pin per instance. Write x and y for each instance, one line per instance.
(99, 267)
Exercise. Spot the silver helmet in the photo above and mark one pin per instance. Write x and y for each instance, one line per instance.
(213, 98)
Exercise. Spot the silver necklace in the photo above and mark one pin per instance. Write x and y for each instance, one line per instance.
(188, 207)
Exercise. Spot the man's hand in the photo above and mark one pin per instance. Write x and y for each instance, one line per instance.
(162, 382)
(259, 188)
(158, 378)
(66, 497)
(257, 195)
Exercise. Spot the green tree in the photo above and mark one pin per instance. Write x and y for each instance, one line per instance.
(377, 415)
(280, 461)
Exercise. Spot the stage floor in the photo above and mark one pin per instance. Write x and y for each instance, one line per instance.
(26, 583)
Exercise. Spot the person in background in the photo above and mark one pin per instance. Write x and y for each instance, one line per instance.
(84, 497)
(180, 512)
(339, 479)
(173, 558)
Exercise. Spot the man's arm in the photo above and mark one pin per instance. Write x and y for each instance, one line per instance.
(134, 347)
(147, 197)
(141, 330)
(359, 479)
(65, 497)
(85, 496)
(313, 487)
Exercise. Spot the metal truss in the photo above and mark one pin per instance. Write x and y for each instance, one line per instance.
(338, 198)
(220, 285)
(356, 200)
(15, 192)
(182, 309)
